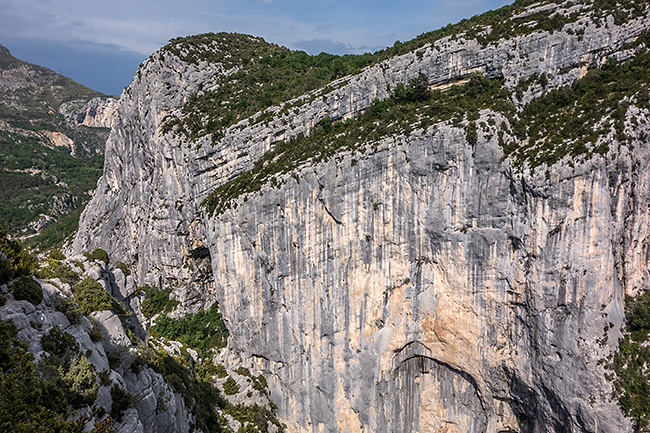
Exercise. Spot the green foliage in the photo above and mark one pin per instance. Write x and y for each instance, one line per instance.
(91, 296)
(26, 289)
(58, 269)
(253, 418)
(637, 315)
(97, 254)
(104, 377)
(122, 401)
(56, 255)
(472, 134)
(60, 344)
(269, 75)
(230, 387)
(567, 120)
(197, 390)
(80, 380)
(157, 301)
(16, 261)
(123, 267)
(221, 371)
(28, 401)
(416, 91)
(630, 363)
(95, 333)
(69, 308)
(201, 331)
(383, 118)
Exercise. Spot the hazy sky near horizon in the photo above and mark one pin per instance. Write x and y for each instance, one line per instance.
(101, 43)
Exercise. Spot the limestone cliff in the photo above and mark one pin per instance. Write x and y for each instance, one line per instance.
(429, 280)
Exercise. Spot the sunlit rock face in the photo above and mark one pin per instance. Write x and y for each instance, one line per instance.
(96, 113)
(427, 284)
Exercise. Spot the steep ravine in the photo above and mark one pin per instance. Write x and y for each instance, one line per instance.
(428, 284)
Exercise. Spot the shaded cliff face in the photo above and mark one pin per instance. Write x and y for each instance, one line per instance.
(425, 283)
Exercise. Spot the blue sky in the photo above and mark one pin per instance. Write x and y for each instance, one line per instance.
(101, 43)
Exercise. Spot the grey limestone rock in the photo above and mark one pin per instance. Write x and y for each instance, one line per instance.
(428, 285)
(159, 408)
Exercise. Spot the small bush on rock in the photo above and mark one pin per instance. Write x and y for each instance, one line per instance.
(56, 255)
(122, 401)
(95, 333)
(69, 308)
(157, 301)
(97, 254)
(60, 344)
(230, 387)
(92, 297)
(123, 267)
(81, 380)
(26, 289)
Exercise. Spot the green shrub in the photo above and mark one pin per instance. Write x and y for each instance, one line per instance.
(18, 261)
(157, 301)
(630, 364)
(221, 371)
(56, 255)
(58, 269)
(115, 358)
(104, 377)
(122, 401)
(97, 254)
(91, 296)
(230, 387)
(201, 331)
(243, 371)
(123, 267)
(68, 307)
(95, 332)
(60, 344)
(24, 288)
(80, 380)
(637, 316)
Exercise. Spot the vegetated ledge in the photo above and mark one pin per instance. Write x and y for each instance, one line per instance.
(629, 365)
(575, 120)
(270, 75)
(409, 107)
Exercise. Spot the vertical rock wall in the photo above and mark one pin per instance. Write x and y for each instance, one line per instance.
(424, 286)
(427, 286)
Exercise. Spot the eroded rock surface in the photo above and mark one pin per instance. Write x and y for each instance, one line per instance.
(426, 285)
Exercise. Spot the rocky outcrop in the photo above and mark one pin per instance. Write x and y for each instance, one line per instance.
(429, 284)
(96, 113)
(158, 406)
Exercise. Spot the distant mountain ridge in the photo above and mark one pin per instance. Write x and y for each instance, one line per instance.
(52, 136)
